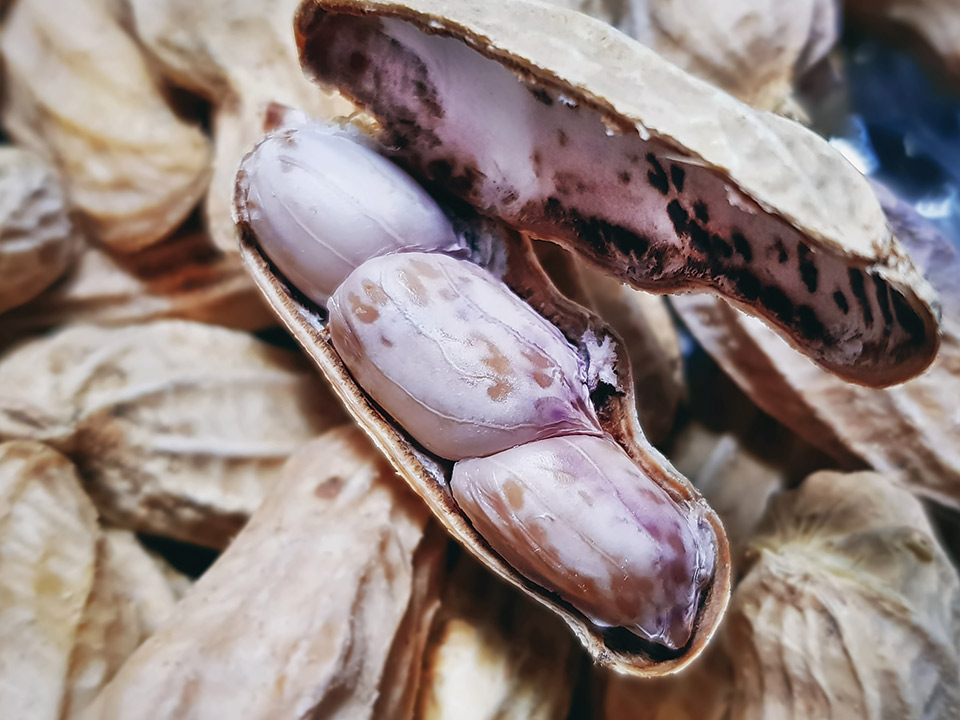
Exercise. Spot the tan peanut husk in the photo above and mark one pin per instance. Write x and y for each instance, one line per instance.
(756, 50)
(428, 475)
(909, 429)
(184, 277)
(850, 609)
(610, 11)
(753, 49)
(495, 655)
(240, 55)
(332, 581)
(931, 25)
(150, 581)
(78, 91)
(177, 428)
(790, 174)
(68, 617)
(37, 238)
(48, 552)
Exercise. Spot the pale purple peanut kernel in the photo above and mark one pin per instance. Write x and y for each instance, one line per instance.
(463, 364)
(321, 203)
(577, 516)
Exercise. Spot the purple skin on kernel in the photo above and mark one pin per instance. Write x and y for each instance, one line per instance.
(321, 202)
(578, 517)
(461, 363)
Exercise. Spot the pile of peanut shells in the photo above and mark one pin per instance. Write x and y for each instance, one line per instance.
(161, 412)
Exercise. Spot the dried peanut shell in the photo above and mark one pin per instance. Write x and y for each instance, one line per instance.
(429, 475)
(239, 55)
(753, 49)
(78, 92)
(332, 581)
(184, 277)
(641, 169)
(107, 635)
(48, 551)
(67, 619)
(153, 585)
(37, 238)
(178, 428)
(495, 655)
(933, 25)
(850, 609)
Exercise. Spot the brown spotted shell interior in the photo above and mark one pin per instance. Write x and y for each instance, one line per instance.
(513, 260)
(709, 197)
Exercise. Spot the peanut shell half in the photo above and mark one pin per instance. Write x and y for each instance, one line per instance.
(571, 132)
(511, 258)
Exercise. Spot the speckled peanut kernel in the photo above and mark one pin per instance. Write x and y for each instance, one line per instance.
(577, 516)
(464, 365)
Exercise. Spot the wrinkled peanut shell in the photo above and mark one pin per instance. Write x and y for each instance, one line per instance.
(331, 583)
(37, 238)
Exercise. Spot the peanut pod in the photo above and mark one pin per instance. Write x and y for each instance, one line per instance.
(466, 369)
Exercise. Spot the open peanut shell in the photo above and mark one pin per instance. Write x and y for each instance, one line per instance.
(571, 132)
(511, 258)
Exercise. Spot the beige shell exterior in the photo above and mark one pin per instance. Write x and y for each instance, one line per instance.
(805, 182)
(240, 55)
(178, 429)
(184, 277)
(48, 554)
(851, 608)
(78, 91)
(68, 615)
(320, 608)
(753, 49)
(428, 475)
(909, 429)
(495, 655)
(37, 238)
(151, 583)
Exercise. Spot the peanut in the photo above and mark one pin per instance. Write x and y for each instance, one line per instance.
(578, 503)
(462, 363)
(349, 205)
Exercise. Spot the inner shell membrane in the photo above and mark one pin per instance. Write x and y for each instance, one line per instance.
(554, 169)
